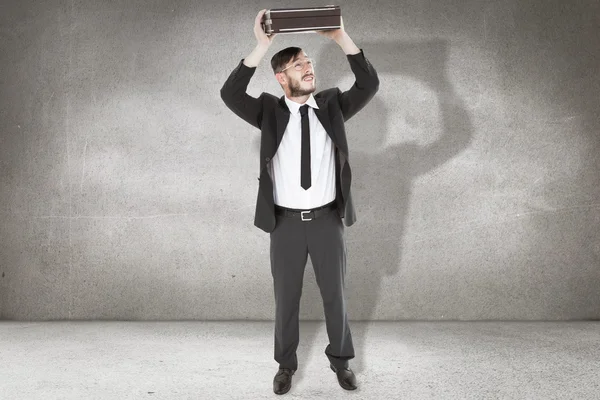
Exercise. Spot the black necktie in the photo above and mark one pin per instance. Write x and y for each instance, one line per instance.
(305, 160)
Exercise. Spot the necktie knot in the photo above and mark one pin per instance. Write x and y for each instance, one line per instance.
(304, 110)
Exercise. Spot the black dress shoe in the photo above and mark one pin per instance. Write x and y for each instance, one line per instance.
(283, 380)
(345, 377)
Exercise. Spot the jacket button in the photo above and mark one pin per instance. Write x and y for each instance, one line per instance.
(268, 159)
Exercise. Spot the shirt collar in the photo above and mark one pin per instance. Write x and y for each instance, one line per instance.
(295, 107)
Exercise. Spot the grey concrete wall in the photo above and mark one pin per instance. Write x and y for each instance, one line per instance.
(128, 188)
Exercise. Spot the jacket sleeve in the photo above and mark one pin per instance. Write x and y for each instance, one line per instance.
(364, 88)
(237, 100)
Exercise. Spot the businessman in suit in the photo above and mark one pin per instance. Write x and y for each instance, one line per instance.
(304, 198)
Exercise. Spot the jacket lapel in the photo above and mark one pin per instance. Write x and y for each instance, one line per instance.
(282, 115)
(323, 116)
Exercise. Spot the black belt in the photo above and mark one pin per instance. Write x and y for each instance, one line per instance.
(305, 215)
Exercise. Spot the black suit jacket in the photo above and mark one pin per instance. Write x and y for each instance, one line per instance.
(271, 115)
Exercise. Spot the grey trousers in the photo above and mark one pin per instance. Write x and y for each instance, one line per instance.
(291, 243)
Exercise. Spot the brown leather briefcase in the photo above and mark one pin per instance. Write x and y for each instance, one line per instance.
(304, 19)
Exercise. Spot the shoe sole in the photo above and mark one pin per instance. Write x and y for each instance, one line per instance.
(288, 389)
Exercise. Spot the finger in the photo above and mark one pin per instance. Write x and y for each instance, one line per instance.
(259, 15)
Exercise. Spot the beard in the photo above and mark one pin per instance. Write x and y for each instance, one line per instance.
(296, 89)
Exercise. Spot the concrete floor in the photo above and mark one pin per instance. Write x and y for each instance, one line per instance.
(233, 360)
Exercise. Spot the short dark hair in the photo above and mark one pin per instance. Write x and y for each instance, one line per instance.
(283, 57)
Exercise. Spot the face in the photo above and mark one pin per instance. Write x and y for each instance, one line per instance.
(300, 81)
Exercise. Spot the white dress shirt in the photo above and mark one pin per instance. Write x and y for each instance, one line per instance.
(285, 165)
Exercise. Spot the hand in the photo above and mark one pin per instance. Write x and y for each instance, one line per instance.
(334, 34)
(261, 37)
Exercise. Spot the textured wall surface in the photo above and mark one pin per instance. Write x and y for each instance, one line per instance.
(128, 188)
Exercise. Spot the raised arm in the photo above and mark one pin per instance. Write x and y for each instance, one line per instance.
(367, 81)
(234, 89)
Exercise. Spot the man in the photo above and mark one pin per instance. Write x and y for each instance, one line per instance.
(304, 187)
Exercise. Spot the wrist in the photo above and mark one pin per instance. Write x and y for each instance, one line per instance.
(342, 38)
(347, 45)
(263, 47)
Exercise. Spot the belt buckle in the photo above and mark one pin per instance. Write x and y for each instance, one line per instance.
(302, 215)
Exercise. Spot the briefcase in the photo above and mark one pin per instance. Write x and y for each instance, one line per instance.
(305, 19)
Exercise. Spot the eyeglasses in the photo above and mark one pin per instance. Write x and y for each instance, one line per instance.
(299, 65)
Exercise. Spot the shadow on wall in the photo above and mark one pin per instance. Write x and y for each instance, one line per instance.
(382, 180)
(551, 51)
